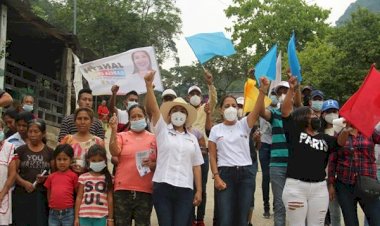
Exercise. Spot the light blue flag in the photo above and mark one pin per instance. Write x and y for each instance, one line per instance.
(267, 65)
(207, 45)
(295, 67)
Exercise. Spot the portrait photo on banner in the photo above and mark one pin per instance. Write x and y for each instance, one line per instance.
(127, 70)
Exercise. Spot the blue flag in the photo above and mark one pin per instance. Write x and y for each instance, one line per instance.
(295, 67)
(207, 45)
(267, 65)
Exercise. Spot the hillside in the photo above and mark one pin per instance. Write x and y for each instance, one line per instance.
(372, 5)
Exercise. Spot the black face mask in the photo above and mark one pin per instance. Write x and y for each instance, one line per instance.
(315, 124)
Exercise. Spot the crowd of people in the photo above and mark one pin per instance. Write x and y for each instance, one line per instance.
(162, 156)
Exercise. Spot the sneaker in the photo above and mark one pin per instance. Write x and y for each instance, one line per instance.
(266, 215)
(194, 223)
(201, 223)
(250, 224)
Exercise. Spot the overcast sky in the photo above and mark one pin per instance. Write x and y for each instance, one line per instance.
(203, 16)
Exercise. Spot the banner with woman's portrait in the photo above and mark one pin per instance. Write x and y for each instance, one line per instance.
(127, 70)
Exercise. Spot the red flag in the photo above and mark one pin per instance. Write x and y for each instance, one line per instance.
(363, 108)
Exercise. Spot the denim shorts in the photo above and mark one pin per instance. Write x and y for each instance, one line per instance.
(63, 217)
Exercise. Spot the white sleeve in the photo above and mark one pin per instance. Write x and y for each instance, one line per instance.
(244, 125)
(160, 128)
(213, 136)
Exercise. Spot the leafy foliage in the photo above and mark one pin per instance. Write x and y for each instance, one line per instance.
(113, 26)
(260, 24)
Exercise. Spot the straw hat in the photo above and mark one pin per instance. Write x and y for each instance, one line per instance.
(167, 106)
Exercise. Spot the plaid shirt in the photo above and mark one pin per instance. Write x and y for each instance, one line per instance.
(362, 159)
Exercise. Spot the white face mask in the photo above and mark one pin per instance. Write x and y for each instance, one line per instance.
(97, 166)
(240, 112)
(178, 118)
(195, 100)
(330, 117)
(282, 98)
(230, 114)
(131, 104)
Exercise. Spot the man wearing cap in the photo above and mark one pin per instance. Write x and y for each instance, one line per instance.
(306, 92)
(168, 95)
(316, 101)
(195, 99)
(240, 102)
(131, 98)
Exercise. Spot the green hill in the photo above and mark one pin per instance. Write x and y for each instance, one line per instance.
(371, 5)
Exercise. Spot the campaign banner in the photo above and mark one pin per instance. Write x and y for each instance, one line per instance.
(127, 70)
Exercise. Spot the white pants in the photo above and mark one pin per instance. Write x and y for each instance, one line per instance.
(305, 202)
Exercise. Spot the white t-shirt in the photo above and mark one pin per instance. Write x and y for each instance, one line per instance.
(232, 143)
(177, 153)
(122, 116)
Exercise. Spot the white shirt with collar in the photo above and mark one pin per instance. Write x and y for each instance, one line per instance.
(177, 153)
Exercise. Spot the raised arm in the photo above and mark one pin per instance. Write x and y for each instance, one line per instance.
(208, 124)
(255, 112)
(287, 106)
(114, 149)
(151, 102)
(114, 90)
(213, 97)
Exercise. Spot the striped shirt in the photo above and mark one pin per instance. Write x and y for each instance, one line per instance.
(279, 150)
(94, 203)
(68, 127)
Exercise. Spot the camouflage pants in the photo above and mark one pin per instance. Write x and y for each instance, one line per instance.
(130, 205)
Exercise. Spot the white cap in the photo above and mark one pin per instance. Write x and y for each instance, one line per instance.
(282, 84)
(169, 92)
(240, 100)
(194, 88)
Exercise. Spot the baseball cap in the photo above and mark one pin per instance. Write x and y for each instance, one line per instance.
(194, 88)
(307, 87)
(240, 100)
(315, 93)
(282, 84)
(168, 92)
(330, 104)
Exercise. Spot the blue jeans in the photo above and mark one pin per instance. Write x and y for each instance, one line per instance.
(335, 213)
(173, 205)
(264, 156)
(378, 178)
(202, 207)
(61, 217)
(234, 202)
(255, 167)
(348, 202)
(277, 179)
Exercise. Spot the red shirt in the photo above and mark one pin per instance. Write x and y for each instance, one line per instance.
(61, 186)
(102, 110)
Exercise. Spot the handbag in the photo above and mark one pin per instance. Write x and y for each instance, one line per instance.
(365, 187)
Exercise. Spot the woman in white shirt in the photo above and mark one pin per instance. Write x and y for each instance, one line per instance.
(179, 159)
(231, 164)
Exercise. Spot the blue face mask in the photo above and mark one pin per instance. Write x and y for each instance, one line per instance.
(316, 105)
(138, 125)
(2, 135)
(27, 107)
(131, 104)
(274, 100)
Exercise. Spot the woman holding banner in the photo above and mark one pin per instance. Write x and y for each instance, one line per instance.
(179, 159)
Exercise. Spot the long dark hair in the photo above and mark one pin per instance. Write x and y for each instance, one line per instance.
(301, 117)
(94, 150)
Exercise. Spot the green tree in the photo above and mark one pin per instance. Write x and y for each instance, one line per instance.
(259, 24)
(339, 63)
(112, 26)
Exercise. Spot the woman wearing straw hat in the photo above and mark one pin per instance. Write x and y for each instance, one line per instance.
(178, 159)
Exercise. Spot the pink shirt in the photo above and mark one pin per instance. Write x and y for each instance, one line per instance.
(61, 186)
(94, 203)
(81, 148)
(127, 176)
